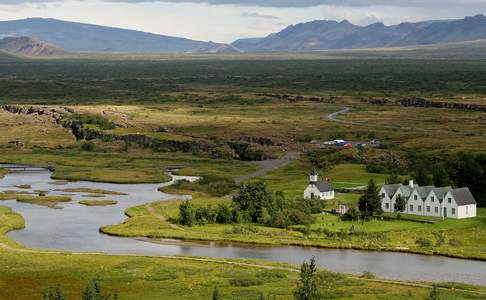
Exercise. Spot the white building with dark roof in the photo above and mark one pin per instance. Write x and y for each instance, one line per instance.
(430, 201)
(318, 189)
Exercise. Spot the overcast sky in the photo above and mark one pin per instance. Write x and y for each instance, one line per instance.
(227, 20)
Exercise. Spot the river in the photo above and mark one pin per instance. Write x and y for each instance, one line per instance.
(75, 228)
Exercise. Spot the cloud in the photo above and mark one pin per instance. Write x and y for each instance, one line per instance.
(292, 3)
(256, 15)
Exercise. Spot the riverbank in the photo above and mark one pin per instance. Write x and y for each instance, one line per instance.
(137, 277)
(451, 238)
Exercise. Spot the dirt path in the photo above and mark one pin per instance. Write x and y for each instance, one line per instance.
(152, 211)
(269, 165)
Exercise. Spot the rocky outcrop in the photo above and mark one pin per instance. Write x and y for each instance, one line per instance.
(295, 98)
(54, 112)
(421, 102)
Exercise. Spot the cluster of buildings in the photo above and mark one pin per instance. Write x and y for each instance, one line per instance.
(445, 202)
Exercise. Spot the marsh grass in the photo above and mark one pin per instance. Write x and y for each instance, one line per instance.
(98, 202)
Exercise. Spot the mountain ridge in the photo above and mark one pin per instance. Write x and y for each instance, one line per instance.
(27, 46)
(329, 34)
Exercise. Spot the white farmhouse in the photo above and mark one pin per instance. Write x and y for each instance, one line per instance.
(318, 189)
(430, 201)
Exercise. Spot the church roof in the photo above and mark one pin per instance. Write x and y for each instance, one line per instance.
(324, 186)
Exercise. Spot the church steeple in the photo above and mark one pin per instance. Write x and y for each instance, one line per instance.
(314, 175)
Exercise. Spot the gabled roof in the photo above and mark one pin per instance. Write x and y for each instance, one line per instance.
(424, 191)
(463, 196)
(406, 190)
(391, 189)
(441, 192)
(324, 186)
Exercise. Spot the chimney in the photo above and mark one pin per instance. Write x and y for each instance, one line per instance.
(410, 183)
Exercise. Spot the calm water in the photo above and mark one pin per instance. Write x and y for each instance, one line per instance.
(75, 227)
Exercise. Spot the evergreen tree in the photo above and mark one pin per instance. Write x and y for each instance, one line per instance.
(94, 291)
(370, 201)
(216, 295)
(393, 179)
(400, 204)
(434, 294)
(54, 293)
(422, 177)
(440, 177)
(307, 287)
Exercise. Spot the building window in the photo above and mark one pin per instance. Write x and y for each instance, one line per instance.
(428, 208)
(420, 208)
(453, 211)
(432, 198)
(387, 205)
(467, 210)
(449, 200)
(415, 197)
(436, 210)
(411, 207)
(383, 195)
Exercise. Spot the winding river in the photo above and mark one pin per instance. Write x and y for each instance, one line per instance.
(75, 228)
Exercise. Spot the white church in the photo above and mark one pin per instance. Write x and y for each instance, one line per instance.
(431, 201)
(318, 189)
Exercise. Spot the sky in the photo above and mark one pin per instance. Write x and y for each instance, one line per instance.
(227, 20)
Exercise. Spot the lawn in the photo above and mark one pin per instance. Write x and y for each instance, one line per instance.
(294, 178)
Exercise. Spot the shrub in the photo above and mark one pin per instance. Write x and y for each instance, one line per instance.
(352, 214)
(187, 214)
(424, 242)
(455, 243)
(88, 146)
(368, 275)
(245, 282)
(223, 214)
(243, 229)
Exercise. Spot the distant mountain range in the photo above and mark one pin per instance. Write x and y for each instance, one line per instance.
(315, 35)
(79, 37)
(27, 46)
(324, 35)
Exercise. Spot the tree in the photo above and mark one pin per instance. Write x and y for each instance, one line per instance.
(440, 176)
(400, 204)
(393, 179)
(216, 295)
(94, 291)
(307, 286)
(421, 176)
(224, 214)
(252, 198)
(187, 214)
(434, 294)
(370, 201)
(54, 293)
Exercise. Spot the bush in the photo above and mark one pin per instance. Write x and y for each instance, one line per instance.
(224, 214)
(243, 229)
(424, 242)
(88, 146)
(352, 214)
(455, 243)
(368, 275)
(187, 214)
(245, 282)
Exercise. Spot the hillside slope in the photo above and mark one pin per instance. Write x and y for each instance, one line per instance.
(79, 37)
(27, 46)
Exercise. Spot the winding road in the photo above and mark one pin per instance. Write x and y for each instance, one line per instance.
(334, 118)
